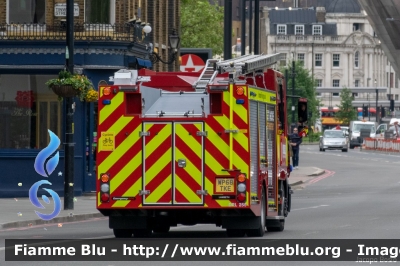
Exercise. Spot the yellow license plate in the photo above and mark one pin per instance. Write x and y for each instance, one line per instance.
(224, 185)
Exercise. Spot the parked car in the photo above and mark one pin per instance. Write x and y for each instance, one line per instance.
(333, 140)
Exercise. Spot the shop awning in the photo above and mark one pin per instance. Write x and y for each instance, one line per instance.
(143, 63)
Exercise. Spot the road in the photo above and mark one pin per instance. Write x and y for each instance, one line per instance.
(359, 200)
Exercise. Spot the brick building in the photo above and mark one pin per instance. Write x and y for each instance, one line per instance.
(108, 36)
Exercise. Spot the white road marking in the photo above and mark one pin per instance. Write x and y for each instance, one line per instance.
(313, 207)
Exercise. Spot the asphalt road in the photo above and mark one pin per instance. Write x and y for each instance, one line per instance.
(358, 200)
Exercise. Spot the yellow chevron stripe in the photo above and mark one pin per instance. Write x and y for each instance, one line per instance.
(241, 112)
(190, 168)
(242, 140)
(98, 199)
(159, 191)
(134, 189)
(120, 203)
(165, 133)
(154, 170)
(107, 110)
(131, 166)
(186, 191)
(113, 157)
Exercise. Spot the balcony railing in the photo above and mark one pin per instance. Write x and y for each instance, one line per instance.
(309, 39)
(82, 32)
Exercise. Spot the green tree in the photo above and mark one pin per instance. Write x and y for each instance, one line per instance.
(202, 25)
(346, 111)
(305, 87)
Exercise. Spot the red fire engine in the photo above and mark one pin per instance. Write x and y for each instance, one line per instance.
(195, 148)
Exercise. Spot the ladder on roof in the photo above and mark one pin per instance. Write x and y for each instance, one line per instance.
(247, 63)
(207, 76)
(240, 65)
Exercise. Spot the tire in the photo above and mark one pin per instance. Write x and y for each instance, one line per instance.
(344, 150)
(259, 232)
(122, 233)
(235, 232)
(161, 229)
(351, 147)
(279, 228)
(142, 233)
(320, 149)
(323, 150)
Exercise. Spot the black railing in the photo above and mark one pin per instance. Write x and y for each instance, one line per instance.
(83, 32)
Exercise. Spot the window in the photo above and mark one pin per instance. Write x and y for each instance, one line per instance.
(336, 60)
(299, 29)
(319, 83)
(318, 60)
(357, 83)
(28, 109)
(356, 59)
(300, 57)
(357, 26)
(27, 11)
(317, 29)
(355, 94)
(396, 97)
(98, 11)
(335, 94)
(336, 83)
(281, 29)
(318, 94)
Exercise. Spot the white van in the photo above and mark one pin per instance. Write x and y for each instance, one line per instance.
(354, 131)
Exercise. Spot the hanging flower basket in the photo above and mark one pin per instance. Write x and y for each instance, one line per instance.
(70, 85)
(64, 90)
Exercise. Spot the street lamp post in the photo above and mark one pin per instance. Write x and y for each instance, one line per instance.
(69, 102)
(174, 40)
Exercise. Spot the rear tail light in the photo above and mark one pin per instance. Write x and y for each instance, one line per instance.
(105, 187)
(241, 187)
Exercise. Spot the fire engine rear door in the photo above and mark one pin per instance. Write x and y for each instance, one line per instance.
(157, 163)
(188, 163)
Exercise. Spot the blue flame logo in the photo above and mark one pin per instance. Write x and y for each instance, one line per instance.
(45, 169)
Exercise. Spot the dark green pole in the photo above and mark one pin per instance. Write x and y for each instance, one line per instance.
(69, 133)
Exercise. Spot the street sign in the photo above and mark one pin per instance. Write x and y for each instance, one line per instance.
(60, 10)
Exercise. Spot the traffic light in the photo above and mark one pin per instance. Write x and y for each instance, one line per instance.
(383, 112)
(392, 105)
(365, 111)
(302, 110)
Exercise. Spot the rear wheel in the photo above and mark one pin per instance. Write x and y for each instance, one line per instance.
(323, 149)
(122, 233)
(261, 229)
(351, 147)
(344, 150)
(278, 228)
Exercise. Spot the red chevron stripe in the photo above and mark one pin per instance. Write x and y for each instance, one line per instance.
(128, 182)
(159, 152)
(217, 128)
(179, 198)
(192, 129)
(129, 154)
(188, 180)
(188, 152)
(167, 197)
(240, 151)
(159, 178)
(216, 154)
(238, 122)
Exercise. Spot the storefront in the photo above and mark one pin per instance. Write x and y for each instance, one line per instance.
(29, 109)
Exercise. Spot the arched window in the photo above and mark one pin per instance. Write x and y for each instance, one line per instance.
(356, 59)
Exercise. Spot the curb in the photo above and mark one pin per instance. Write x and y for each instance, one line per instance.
(316, 173)
(63, 219)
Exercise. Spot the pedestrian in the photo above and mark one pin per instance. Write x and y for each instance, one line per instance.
(295, 141)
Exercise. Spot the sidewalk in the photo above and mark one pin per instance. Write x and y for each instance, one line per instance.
(20, 212)
(303, 174)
